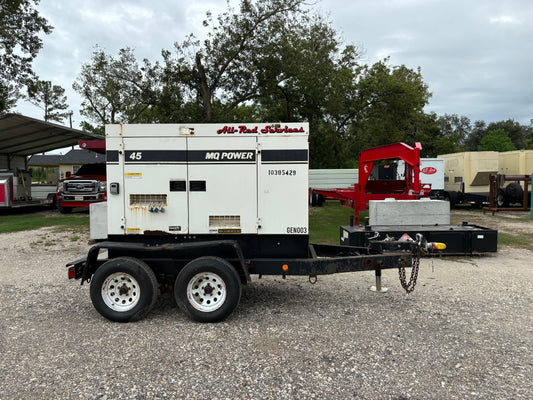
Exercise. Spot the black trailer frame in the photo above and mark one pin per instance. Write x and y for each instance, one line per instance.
(323, 259)
(132, 268)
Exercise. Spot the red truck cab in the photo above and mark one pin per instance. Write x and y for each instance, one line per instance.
(86, 186)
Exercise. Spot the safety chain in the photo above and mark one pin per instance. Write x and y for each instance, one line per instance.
(409, 287)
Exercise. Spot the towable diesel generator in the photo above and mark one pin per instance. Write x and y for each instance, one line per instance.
(197, 209)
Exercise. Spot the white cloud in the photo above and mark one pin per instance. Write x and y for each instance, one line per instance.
(504, 20)
(476, 56)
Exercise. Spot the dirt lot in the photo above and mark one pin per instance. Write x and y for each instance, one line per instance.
(465, 333)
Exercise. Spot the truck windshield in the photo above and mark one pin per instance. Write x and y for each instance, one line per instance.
(92, 169)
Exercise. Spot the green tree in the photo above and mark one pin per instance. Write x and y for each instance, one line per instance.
(96, 129)
(473, 140)
(428, 131)
(389, 103)
(456, 127)
(221, 72)
(9, 95)
(50, 98)
(311, 76)
(517, 133)
(20, 27)
(496, 140)
(116, 90)
(266, 61)
(529, 140)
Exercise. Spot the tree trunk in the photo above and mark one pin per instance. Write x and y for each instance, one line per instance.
(205, 90)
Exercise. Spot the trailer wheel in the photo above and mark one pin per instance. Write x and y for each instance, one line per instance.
(500, 199)
(207, 289)
(514, 193)
(320, 199)
(65, 210)
(124, 289)
(451, 197)
(313, 199)
(317, 199)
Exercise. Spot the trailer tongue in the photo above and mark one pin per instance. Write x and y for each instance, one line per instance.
(200, 208)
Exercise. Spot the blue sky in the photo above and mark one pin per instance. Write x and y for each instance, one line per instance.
(475, 55)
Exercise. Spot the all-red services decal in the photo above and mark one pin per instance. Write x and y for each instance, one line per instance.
(267, 129)
(429, 170)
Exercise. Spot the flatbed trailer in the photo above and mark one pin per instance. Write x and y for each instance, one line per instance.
(197, 209)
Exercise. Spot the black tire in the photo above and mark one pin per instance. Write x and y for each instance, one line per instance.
(500, 199)
(53, 201)
(313, 199)
(451, 197)
(137, 292)
(65, 210)
(514, 194)
(207, 289)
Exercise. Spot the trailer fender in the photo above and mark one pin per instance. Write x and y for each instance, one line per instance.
(89, 265)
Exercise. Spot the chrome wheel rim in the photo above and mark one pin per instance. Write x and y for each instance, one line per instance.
(206, 292)
(121, 291)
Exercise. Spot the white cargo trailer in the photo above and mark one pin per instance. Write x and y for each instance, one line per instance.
(202, 207)
(431, 172)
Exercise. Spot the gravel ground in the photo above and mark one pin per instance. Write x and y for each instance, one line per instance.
(465, 333)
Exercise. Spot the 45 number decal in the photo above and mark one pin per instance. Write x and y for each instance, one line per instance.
(136, 155)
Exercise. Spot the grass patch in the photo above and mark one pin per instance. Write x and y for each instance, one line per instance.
(507, 239)
(324, 222)
(516, 219)
(515, 241)
(25, 222)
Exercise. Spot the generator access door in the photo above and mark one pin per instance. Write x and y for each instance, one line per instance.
(222, 185)
(283, 185)
(155, 185)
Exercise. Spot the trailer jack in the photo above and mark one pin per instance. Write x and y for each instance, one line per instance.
(378, 288)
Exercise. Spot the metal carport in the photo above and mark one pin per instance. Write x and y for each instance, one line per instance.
(21, 136)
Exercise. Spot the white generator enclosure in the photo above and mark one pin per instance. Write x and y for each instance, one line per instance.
(207, 179)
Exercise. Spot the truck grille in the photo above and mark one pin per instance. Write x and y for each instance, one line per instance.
(80, 187)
